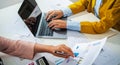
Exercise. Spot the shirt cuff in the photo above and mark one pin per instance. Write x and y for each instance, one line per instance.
(66, 11)
(73, 25)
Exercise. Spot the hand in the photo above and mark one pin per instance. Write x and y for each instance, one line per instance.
(51, 49)
(62, 48)
(57, 24)
(54, 14)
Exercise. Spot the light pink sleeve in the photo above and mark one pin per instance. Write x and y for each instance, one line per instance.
(18, 48)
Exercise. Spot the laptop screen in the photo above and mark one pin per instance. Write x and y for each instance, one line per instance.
(31, 14)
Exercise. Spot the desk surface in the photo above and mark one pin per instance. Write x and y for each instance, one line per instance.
(11, 26)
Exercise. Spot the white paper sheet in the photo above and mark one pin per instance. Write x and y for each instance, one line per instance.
(73, 39)
(110, 57)
(94, 51)
(85, 53)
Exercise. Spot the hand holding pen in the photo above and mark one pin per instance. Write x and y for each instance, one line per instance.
(63, 51)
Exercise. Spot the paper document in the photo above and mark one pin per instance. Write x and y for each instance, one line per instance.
(72, 43)
(94, 51)
(107, 57)
(85, 53)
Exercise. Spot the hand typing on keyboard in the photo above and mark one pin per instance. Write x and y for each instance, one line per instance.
(57, 24)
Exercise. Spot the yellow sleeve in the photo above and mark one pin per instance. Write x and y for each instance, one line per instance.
(78, 6)
(110, 18)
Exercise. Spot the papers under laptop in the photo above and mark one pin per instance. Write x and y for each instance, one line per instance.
(35, 20)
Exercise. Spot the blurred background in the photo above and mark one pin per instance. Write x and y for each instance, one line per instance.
(6, 3)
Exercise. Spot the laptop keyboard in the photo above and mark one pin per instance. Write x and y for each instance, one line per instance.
(44, 29)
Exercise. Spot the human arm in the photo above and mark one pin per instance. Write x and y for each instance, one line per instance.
(67, 11)
(74, 8)
(109, 17)
(25, 49)
(69, 24)
(79, 6)
(39, 48)
(58, 23)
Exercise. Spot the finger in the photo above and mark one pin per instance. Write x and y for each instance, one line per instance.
(48, 14)
(55, 15)
(55, 26)
(67, 53)
(69, 50)
(51, 24)
(64, 54)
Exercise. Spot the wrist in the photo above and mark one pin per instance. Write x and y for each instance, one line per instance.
(43, 48)
(49, 48)
(66, 11)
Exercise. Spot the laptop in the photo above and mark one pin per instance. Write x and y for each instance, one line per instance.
(35, 20)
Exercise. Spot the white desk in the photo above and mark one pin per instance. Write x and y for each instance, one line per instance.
(11, 26)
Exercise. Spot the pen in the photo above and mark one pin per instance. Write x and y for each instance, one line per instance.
(61, 53)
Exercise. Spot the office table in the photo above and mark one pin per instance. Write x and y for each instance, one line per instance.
(11, 26)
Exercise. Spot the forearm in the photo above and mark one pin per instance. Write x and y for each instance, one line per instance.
(52, 49)
(27, 50)
(78, 6)
(18, 48)
(43, 48)
(73, 25)
(66, 11)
